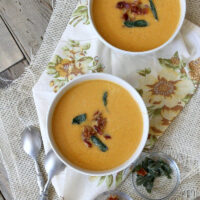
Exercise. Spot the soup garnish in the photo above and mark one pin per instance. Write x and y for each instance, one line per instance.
(90, 132)
(153, 9)
(132, 10)
(79, 119)
(105, 96)
(113, 197)
(96, 141)
(138, 23)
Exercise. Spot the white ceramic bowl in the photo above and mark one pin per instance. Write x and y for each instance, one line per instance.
(133, 93)
(182, 17)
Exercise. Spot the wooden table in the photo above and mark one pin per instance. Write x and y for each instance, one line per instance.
(22, 25)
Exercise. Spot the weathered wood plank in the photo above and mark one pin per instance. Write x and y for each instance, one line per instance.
(9, 51)
(27, 20)
(12, 73)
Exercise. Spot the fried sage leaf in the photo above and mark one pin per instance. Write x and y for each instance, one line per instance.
(137, 23)
(105, 98)
(96, 141)
(149, 170)
(153, 9)
(79, 119)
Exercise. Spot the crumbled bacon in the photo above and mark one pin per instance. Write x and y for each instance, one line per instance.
(98, 130)
(100, 122)
(145, 11)
(88, 143)
(107, 137)
(88, 131)
(97, 115)
(115, 197)
(121, 4)
(142, 172)
(129, 9)
(97, 127)
(125, 16)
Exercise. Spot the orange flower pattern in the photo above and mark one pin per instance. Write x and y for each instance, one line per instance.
(166, 93)
(76, 62)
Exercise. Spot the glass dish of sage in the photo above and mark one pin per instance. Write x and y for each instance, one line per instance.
(155, 176)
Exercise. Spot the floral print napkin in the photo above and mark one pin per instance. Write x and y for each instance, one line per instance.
(166, 80)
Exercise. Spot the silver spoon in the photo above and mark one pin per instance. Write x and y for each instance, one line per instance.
(31, 141)
(53, 167)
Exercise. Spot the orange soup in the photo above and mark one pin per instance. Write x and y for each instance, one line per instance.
(159, 18)
(97, 125)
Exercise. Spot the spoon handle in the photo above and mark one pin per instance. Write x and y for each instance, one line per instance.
(44, 195)
(40, 179)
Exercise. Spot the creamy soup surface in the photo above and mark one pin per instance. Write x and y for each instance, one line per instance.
(123, 129)
(109, 22)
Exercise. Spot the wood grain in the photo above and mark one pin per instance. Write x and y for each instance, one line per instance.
(9, 51)
(12, 73)
(27, 21)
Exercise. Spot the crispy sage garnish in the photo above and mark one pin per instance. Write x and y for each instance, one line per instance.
(105, 98)
(153, 9)
(149, 170)
(79, 119)
(96, 141)
(137, 23)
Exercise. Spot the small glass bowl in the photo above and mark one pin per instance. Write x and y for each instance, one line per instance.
(105, 195)
(163, 187)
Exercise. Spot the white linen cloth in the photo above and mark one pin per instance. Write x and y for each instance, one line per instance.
(70, 184)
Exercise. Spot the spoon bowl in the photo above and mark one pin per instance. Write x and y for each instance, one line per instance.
(32, 142)
(53, 167)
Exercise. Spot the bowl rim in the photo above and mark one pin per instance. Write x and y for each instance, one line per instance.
(166, 157)
(114, 192)
(116, 49)
(133, 93)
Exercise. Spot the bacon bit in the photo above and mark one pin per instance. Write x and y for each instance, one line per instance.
(127, 6)
(107, 137)
(113, 197)
(96, 113)
(136, 2)
(98, 130)
(142, 172)
(121, 4)
(88, 143)
(145, 11)
(136, 8)
(125, 16)
(88, 131)
(100, 122)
